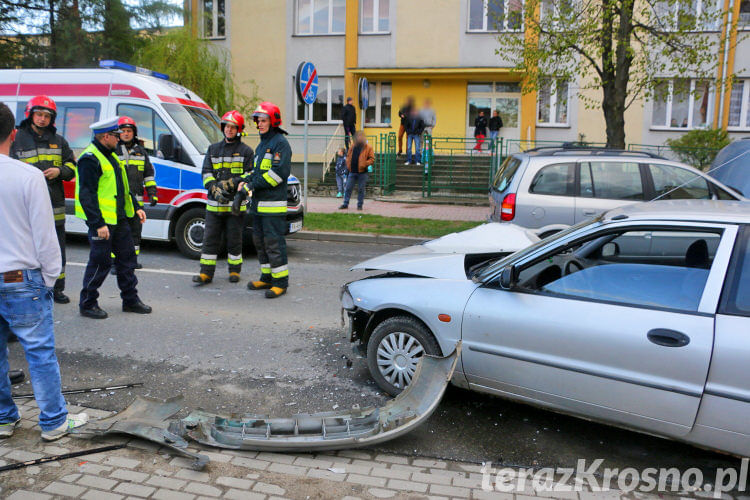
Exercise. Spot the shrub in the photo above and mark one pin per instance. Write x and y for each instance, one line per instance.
(699, 147)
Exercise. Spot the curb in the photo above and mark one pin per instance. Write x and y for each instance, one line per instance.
(357, 238)
(433, 201)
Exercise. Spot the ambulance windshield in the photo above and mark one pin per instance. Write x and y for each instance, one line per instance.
(201, 126)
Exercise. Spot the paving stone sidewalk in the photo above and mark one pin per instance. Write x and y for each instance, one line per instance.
(143, 470)
(329, 205)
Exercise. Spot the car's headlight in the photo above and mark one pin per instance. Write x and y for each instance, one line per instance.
(347, 301)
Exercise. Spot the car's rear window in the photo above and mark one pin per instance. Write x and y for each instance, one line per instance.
(505, 173)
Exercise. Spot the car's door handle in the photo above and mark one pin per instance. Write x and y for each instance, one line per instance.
(668, 338)
(589, 212)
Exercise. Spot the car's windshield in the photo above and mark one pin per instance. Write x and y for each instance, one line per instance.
(201, 126)
(495, 266)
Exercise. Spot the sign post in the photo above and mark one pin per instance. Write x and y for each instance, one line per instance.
(364, 97)
(307, 91)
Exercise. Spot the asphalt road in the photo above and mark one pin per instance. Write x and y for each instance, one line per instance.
(228, 349)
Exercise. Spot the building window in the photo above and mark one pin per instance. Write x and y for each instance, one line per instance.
(321, 17)
(375, 16)
(744, 20)
(682, 103)
(739, 105)
(379, 110)
(214, 25)
(552, 103)
(495, 15)
(688, 15)
(328, 103)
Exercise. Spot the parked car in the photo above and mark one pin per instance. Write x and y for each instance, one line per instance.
(638, 317)
(732, 166)
(549, 189)
(175, 124)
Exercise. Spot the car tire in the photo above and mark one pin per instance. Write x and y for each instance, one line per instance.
(408, 339)
(189, 232)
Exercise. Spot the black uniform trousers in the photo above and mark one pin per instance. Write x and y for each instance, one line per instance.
(120, 243)
(270, 243)
(60, 230)
(216, 225)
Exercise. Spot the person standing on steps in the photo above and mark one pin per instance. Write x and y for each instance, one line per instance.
(349, 118)
(480, 130)
(496, 123)
(103, 199)
(404, 114)
(359, 161)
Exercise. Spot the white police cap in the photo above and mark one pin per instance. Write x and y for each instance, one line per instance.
(106, 125)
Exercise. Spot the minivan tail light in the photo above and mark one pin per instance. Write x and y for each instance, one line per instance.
(508, 207)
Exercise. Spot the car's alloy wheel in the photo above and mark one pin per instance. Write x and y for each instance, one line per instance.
(398, 355)
(394, 349)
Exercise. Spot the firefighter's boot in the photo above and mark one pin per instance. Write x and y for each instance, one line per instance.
(274, 292)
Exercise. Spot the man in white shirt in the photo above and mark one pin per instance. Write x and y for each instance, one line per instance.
(30, 262)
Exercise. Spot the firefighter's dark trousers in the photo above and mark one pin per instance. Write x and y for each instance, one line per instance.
(270, 243)
(216, 224)
(60, 229)
(135, 231)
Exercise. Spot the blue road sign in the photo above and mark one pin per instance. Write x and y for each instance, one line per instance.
(364, 93)
(307, 82)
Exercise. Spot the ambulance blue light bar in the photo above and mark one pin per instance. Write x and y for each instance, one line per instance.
(112, 64)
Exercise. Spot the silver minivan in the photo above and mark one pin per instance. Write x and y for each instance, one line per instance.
(549, 189)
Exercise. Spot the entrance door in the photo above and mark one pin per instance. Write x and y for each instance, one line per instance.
(505, 97)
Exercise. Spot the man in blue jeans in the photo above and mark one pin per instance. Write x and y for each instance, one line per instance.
(30, 262)
(414, 129)
(359, 161)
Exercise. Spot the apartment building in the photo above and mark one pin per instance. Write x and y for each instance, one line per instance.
(446, 50)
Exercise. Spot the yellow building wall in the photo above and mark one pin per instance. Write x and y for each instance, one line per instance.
(427, 33)
(591, 121)
(255, 60)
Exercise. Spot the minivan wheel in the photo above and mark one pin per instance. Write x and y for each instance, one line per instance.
(189, 232)
(394, 349)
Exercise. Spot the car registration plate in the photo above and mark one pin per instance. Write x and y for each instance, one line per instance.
(295, 226)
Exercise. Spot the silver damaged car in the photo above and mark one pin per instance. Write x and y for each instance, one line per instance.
(639, 318)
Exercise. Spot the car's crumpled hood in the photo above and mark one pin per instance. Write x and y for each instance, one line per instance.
(443, 258)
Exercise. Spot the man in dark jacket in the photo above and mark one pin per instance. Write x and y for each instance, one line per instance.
(496, 123)
(480, 130)
(414, 130)
(131, 152)
(349, 117)
(104, 201)
(268, 183)
(404, 114)
(223, 167)
(38, 143)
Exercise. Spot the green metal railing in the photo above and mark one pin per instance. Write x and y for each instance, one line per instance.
(458, 166)
(385, 162)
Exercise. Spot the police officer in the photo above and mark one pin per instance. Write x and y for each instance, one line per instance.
(38, 143)
(223, 166)
(104, 201)
(267, 182)
(131, 152)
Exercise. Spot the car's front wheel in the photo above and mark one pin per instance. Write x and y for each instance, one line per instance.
(394, 350)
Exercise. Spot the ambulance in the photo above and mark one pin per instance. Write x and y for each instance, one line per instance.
(174, 123)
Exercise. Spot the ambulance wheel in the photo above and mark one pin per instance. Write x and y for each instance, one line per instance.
(189, 232)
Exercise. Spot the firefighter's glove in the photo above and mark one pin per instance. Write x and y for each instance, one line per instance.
(219, 194)
(240, 199)
(153, 199)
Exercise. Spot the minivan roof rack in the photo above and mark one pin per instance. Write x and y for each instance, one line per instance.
(568, 149)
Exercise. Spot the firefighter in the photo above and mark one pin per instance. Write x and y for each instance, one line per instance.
(38, 143)
(267, 183)
(104, 201)
(223, 167)
(131, 152)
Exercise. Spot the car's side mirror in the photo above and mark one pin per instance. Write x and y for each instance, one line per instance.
(611, 249)
(508, 277)
(167, 147)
